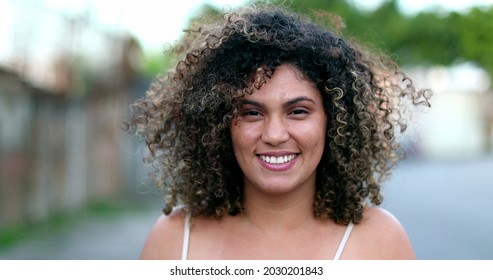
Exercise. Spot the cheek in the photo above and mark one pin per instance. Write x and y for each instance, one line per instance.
(319, 144)
(235, 128)
(238, 136)
(314, 134)
(244, 133)
(318, 138)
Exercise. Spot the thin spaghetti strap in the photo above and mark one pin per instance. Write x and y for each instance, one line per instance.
(343, 241)
(186, 238)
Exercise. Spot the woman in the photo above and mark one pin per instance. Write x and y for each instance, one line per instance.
(271, 139)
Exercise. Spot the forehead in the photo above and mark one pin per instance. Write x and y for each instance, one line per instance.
(287, 81)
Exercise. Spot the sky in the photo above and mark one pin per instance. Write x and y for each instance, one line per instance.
(155, 23)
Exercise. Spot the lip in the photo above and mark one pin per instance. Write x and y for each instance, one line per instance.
(278, 167)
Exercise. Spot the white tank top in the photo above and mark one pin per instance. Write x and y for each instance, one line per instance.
(186, 239)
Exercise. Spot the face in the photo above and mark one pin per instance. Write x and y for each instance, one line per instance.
(279, 133)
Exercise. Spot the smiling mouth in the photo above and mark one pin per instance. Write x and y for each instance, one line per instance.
(278, 160)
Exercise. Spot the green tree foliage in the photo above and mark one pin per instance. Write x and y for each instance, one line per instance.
(425, 38)
(475, 34)
(155, 63)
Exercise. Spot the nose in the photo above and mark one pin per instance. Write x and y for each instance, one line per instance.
(275, 131)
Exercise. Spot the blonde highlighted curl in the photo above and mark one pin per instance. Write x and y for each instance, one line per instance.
(186, 115)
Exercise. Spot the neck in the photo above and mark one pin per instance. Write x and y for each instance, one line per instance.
(277, 212)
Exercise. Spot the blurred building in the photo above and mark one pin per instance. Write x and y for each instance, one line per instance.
(459, 123)
(65, 86)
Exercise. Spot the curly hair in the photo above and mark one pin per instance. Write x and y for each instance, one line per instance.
(186, 115)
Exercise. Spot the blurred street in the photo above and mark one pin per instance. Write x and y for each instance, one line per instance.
(445, 207)
(101, 237)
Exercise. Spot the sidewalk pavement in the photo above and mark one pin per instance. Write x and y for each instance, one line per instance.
(115, 237)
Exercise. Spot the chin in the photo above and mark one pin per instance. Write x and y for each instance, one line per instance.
(276, 188)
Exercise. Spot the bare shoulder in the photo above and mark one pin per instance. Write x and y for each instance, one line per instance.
(379, 235)
(165, 238)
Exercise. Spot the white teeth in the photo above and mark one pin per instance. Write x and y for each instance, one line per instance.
(277, 160)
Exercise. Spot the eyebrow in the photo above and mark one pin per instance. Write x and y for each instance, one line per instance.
(286, 104)
(298, 99)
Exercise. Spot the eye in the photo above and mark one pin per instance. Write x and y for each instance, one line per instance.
(250, 113)
(299, 112)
